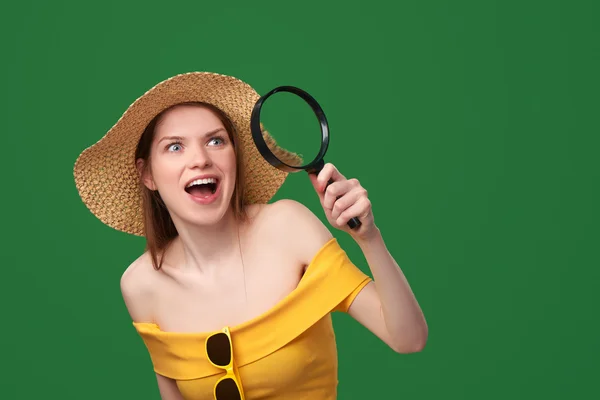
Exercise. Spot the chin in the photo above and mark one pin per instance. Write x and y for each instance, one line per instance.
(203, 210)
(208, 214)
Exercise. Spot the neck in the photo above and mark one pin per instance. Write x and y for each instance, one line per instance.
(205, 248)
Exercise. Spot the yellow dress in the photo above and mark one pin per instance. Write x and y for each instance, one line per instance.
(288, 352)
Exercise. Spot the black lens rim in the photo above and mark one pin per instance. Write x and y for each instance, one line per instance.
(262, 146)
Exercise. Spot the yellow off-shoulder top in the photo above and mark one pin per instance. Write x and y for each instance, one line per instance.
(288, 352)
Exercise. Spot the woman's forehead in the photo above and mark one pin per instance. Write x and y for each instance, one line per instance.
(188, 119)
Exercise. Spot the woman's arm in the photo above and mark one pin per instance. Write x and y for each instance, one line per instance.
(387, 306)
(136, 289)
(168, 388)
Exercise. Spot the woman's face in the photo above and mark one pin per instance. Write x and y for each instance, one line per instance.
(192, 165)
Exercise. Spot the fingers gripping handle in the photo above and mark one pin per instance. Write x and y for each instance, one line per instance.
(354, 222)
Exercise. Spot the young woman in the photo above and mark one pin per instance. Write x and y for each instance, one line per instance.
(234, 295)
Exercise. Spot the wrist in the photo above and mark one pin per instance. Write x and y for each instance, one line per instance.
(368, 238)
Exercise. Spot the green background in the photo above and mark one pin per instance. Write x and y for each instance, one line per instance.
(473, 124)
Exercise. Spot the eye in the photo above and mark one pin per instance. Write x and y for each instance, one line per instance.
(176, 146)
(216, 141)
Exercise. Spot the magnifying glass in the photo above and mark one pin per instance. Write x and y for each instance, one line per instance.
(313, 167)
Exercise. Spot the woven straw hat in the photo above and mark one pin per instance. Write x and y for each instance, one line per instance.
(105, 173)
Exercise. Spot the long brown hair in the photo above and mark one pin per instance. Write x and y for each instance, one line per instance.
(159, 229)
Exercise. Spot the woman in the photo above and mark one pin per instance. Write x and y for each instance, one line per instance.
(233, 297)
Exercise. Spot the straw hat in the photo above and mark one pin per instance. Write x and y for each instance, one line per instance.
(105, 173)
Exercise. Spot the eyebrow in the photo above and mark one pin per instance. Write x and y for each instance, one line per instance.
(181, 138)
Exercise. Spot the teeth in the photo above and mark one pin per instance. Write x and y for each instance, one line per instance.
(202, 181)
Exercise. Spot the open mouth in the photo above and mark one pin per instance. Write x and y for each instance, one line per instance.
(202, 187)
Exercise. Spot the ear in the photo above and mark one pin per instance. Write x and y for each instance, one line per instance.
(145, 174)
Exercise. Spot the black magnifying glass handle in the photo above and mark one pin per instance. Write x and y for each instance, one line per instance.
(354, 222)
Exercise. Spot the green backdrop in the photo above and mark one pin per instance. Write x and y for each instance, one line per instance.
(473, 124)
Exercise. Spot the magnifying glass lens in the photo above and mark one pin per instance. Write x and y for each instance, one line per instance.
(291, 122)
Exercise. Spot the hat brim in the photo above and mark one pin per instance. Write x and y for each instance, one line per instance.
(105, 173)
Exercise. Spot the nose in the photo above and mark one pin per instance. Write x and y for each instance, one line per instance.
(199, 158)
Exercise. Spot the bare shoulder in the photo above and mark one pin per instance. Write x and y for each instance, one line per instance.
(296, 228)
(136, 288)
